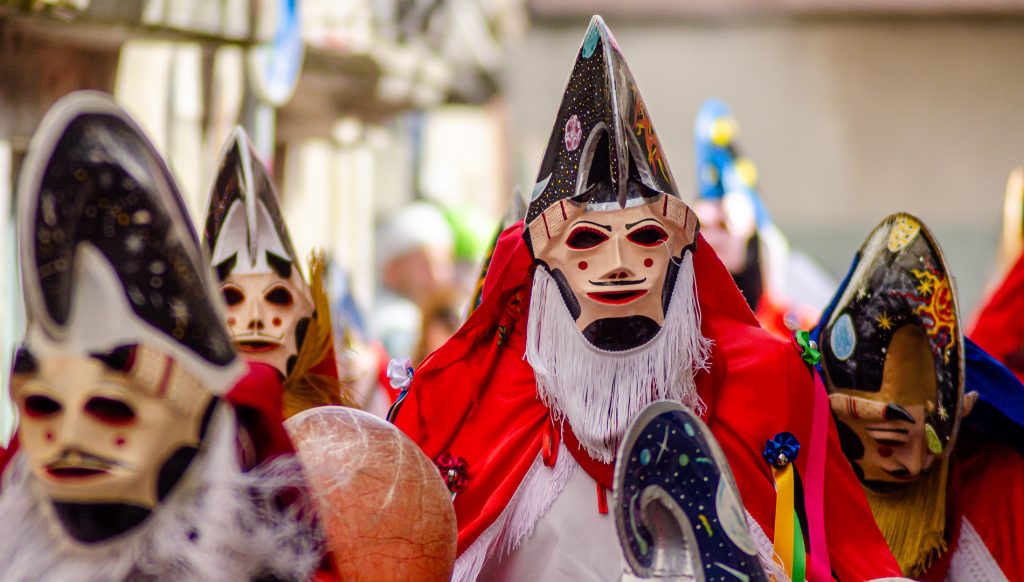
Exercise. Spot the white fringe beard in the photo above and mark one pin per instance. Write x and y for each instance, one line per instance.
(219, 523)
(599, 392)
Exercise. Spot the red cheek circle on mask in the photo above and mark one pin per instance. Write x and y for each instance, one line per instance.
(119, 441)
(648, 263)
(277, 322)
(231, 321)
(583, 265)
(49, 436)
(884, 451)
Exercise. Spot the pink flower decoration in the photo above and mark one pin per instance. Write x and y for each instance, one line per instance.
(454, 470)
(573, 133)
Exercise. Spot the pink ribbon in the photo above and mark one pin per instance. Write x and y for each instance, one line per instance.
(819, 569)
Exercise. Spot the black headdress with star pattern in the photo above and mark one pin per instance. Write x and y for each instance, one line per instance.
(603, 147)
(900, 278)
(109, 257)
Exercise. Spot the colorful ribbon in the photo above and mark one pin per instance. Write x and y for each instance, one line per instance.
(799, 556)
(781, 452)
(808, 348)
(785, 518)
(820, 568)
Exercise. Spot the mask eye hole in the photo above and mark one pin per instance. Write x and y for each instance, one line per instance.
(39, 406)
(279, 296)
(585, 237)
(233, 295)
(110, 410)
(648, 236)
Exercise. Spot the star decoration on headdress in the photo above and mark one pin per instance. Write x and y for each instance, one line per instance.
(133, 243)
(179, 311)
(924, 286)
(884, 321)
(862, 293)
(943, 413)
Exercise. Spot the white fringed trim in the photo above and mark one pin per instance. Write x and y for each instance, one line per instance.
(536, 494)
(219, 523)
(599, 392)
(972, 560)
(765, 550)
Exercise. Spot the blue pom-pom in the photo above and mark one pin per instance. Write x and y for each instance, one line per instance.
(781, 450)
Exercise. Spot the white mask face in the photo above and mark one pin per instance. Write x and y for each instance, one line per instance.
(263, 313)
(92, 435)
(616, 262)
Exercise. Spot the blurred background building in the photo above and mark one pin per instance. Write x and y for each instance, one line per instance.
(851, 109)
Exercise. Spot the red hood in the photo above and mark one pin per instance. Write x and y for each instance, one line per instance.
(999, 328)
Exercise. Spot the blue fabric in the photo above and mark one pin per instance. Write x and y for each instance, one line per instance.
(825, 315)
(999, 412)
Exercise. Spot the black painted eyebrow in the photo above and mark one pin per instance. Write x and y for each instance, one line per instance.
(895, 430)
(24, 362)
(606, 227)
(630, 225)
(225, 267)
(280, 265)
(119, 359)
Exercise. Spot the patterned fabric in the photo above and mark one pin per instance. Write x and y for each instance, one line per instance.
(972, 561)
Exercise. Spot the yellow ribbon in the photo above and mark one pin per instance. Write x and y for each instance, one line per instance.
(785, 529)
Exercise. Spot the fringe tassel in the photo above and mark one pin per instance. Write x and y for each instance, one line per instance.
(599, 392)
(532, 500)
(913, 521)
(765, 551)
(219, 523)
(304, 388)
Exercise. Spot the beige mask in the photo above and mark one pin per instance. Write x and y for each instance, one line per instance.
(95, 435)
(614, 262)
(727, 226)
(263, 313)
(890, 425)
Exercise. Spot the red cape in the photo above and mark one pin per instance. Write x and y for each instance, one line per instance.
(476, 398)
(257, 399)
(999, 328)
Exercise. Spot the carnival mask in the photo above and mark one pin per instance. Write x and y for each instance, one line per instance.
(96, 435)
(887, 439)
(605, 218)
(616, 268)
(125, 349)
(727, 226)
(268, 302)
(893, 357)
(265, 314)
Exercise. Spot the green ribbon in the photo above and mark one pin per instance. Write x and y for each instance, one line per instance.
(799, 551)
(809, 350)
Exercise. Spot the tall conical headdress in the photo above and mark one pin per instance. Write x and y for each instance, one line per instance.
(603, 144)
(900, 278)
(245, 232)
(721, 168)
(108, 254)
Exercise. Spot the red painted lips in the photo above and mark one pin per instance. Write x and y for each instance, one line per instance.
(73, 472)
(616, 297)
(256, 346)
